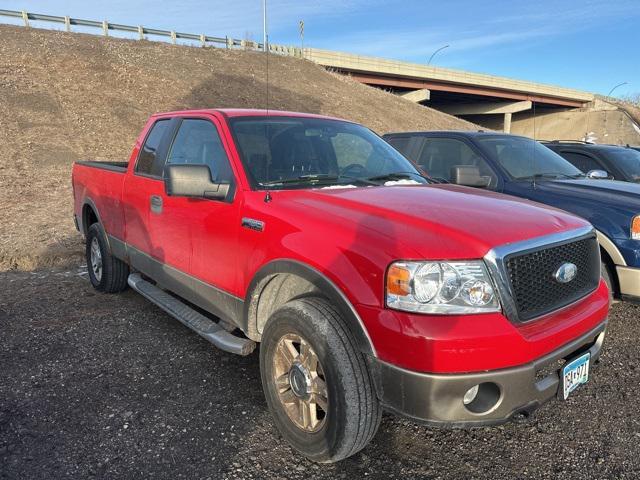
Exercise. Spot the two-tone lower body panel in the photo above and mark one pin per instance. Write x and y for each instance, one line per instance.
(629, 283)
(437, 399)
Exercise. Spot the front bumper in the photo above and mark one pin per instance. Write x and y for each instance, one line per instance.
(436, 399)
(629, 281)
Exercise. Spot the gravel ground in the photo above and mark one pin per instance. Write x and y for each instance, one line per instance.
(111, 387)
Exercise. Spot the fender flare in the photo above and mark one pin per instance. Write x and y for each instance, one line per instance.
(84, 228)
(90, 203)
(611, 249)
(328, 288)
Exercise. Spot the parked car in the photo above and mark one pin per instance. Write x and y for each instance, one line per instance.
(600, 161)
(368, 286)
(521, 167)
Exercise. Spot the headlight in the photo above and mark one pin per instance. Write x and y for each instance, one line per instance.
(635, 228)
(455, 287)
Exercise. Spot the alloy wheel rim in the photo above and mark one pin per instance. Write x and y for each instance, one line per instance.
(96, 259)
(300, 383)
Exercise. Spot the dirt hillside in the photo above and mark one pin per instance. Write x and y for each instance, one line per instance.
(73, 96)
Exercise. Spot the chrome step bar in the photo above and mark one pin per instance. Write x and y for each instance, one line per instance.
(197, 322)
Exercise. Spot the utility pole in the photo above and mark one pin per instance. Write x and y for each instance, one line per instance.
(264, 25)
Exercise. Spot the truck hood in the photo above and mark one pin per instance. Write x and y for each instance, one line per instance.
(611, 192)
(433, 221)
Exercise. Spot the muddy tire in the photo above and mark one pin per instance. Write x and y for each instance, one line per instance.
(107, 273)
(316, 381)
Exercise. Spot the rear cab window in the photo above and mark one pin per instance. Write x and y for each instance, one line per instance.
(148, 162)
(401, 144)
(584, 162)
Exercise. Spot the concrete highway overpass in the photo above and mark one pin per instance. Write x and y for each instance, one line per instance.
(498, 103)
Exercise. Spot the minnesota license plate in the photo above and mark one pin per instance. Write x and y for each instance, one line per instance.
(575, 373)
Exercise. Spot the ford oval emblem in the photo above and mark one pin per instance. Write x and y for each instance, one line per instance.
(566, 272)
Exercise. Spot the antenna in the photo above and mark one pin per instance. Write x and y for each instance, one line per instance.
(265, 46)
(533, 156)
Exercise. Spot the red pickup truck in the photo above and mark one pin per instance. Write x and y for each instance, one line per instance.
(368, 285)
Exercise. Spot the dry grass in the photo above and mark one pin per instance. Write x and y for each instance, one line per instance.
(65, 97)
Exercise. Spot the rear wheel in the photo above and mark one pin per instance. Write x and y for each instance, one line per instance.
(107, 273)
(316, 382)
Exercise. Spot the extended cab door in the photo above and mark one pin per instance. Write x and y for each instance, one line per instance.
(143, 187)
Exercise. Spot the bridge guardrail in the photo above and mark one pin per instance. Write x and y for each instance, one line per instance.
(105, 26)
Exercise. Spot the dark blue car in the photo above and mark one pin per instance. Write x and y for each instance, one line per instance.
(616, 162)
(522, 167)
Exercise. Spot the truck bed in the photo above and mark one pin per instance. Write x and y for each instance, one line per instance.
(113, 166)
(100, 184)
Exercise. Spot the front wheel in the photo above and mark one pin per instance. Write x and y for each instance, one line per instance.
(316, 382)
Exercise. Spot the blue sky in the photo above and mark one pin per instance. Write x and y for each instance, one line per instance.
(590, 44)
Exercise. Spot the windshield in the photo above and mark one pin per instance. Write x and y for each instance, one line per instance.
(627, 160)
(524, 158)
(298, 152)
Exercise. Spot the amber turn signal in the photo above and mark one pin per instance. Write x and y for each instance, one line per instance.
(398, 281)
(635, 228)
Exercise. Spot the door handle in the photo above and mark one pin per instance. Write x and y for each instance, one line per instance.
(156, 203)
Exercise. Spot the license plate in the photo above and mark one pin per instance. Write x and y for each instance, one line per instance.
(575, 373)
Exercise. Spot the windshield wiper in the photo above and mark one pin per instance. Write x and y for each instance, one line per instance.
(552, 175)
(310, 178)
(316, 178)
(396, 176)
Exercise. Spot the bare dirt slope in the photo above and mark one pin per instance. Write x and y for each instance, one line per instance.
(66, 96)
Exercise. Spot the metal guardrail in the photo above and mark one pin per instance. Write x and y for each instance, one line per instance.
(106, 26)
(333, 60)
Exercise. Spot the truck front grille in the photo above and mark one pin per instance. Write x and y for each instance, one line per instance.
(535, 289)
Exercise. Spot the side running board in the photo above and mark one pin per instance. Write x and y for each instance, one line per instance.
(197, 322)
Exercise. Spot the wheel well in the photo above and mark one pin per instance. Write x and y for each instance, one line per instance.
(89, 217)
(281, 281)
(607, 260)
(270, 294)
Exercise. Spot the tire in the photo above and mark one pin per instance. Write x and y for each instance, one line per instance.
(353, 412)
(605, 272)
(107, 273)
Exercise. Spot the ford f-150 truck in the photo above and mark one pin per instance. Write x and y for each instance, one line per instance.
(522, 167)
(367, 285)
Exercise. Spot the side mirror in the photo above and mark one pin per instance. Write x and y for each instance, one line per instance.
(597, 174)
(193, 181)
(469, 176)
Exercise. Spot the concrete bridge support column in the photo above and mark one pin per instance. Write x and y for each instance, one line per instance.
(507, 123)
